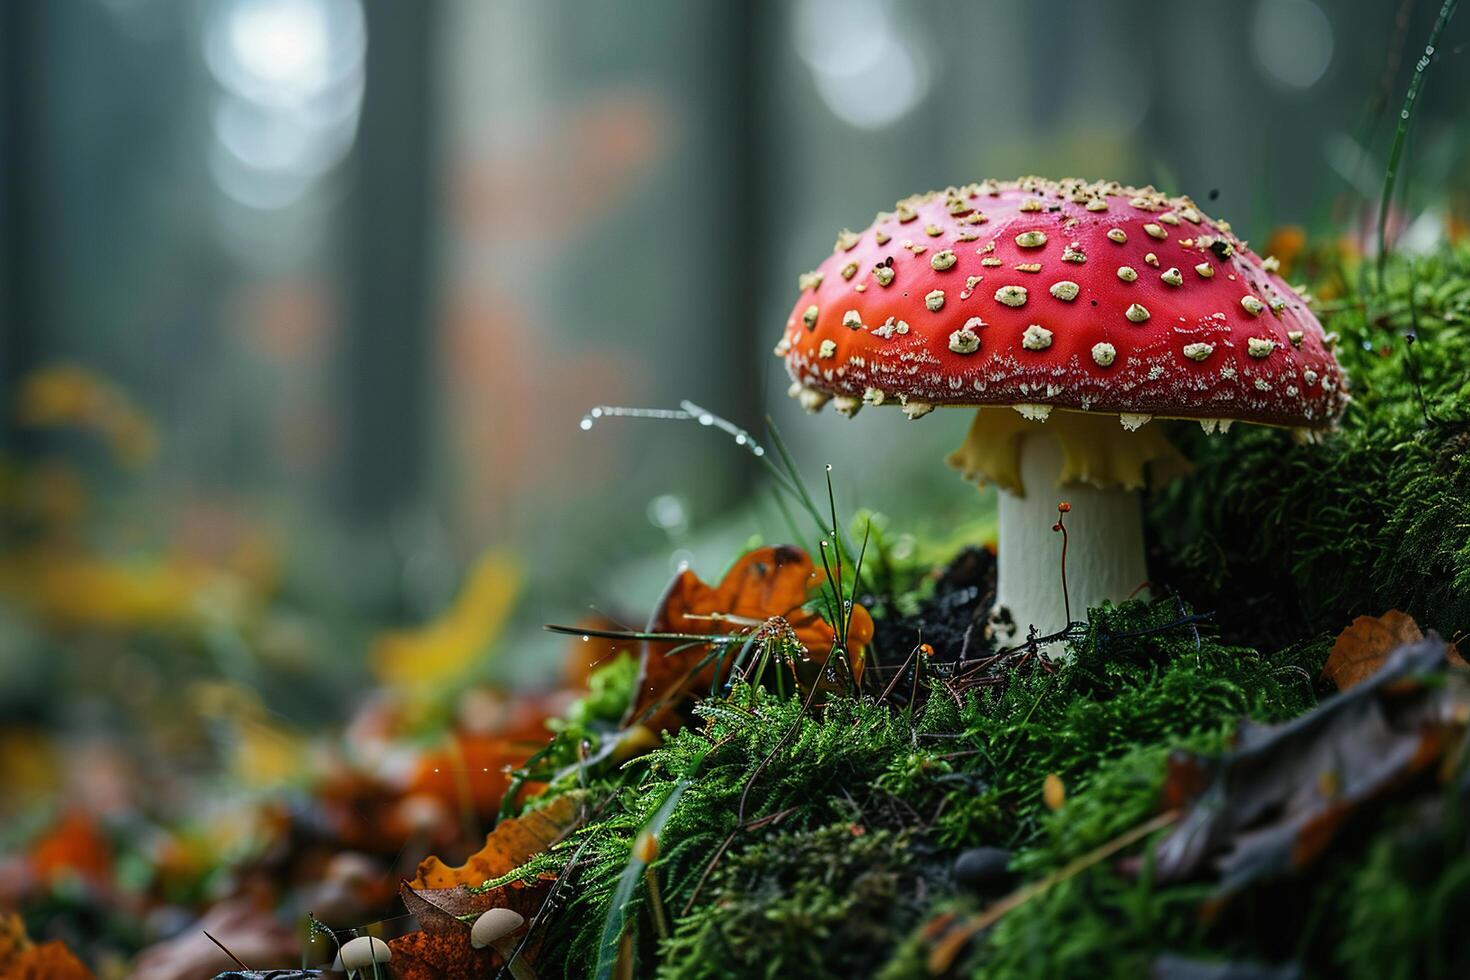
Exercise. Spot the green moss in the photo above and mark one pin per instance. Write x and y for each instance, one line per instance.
(962, 773)
(823, 903)
(854, 813)
(1286, 540)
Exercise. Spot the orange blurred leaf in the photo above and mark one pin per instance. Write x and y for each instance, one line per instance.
(470, 771)
(73, 845)
(1361, 649)
(48, 961)
(511, 844)
(765, 584)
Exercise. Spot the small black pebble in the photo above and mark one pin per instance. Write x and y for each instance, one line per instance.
(984, 869)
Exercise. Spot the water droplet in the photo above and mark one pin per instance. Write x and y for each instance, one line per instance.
(586, 638)
(829, 467)
(706, 419)
(586, 423)
(596, 413)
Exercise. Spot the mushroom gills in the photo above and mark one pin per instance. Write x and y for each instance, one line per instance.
(1096, 450)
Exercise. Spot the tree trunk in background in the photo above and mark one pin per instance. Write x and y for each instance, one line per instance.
(390, 246)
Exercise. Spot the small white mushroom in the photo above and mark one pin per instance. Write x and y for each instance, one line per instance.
(934, 300)
(494, 925)
(493, 929)
(1136, 313)
(361, 953)
(1205, 270)
(1171, 276)
(1103, 354)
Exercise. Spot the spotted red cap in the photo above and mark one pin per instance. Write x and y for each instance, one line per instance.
(1069, 294)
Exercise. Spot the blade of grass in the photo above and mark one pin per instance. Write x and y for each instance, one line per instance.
(1406, 115)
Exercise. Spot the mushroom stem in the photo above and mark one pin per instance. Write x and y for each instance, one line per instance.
(1104, 553)
(517, 965)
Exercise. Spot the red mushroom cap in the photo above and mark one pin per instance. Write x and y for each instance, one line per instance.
(1078, 295)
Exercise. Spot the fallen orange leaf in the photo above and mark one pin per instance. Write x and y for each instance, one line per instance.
(511, 844)
(765, 584)
(1361, 649)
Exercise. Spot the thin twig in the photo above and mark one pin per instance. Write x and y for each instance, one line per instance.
(943, 954)
(225, 950)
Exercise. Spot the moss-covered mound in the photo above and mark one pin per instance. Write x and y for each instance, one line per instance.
(840, 838)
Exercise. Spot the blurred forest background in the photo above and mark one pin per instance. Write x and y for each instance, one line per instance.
(302, 301)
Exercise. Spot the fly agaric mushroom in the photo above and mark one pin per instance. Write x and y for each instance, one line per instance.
(1071, 314)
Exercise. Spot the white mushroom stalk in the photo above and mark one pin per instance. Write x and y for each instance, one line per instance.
(1038, 459)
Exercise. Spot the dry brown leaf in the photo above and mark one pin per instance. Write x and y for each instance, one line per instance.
(511, 844)
(1361, 649)
(765, 583)
(441, 956)
(445, 909)
(1275, 802)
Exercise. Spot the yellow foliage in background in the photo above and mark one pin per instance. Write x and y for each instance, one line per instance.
(65, 394)
(415, 663)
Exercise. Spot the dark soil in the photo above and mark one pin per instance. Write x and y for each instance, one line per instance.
(951, 618)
